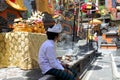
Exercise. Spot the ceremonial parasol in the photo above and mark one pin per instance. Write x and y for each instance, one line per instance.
(17, 4)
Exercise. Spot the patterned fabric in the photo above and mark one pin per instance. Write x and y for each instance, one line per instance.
(62, 75)
(20, 49)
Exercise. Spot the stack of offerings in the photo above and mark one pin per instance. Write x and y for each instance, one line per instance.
(34, 26)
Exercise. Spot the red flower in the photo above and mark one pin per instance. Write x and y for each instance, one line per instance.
(12, 1)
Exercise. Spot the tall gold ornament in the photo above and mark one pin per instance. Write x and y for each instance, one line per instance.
(43, 6)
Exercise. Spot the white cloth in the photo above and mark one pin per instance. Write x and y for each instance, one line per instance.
(47, 58)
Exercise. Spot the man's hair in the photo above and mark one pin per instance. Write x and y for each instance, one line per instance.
(51, 35)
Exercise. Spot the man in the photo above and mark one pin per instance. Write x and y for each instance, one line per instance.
(48, 62)
(95, 41)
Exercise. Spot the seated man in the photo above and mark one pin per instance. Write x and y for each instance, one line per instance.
(48, 62)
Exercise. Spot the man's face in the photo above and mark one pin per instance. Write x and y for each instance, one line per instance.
(58, 38)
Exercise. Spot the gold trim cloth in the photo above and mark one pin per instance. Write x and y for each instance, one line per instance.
(20, 49)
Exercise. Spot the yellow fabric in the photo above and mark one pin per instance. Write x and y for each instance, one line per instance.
(19, 4)
(95, 21)
(20, 49)
(3, 60)
(90, 37)
(42, 6)
(89, 7)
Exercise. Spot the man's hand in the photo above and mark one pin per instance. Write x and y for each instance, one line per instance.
(64, 65)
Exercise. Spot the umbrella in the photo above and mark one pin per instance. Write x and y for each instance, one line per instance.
(17, 4)
(95, 21)
(89, 6)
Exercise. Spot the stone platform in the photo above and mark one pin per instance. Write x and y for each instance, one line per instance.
(14, 73)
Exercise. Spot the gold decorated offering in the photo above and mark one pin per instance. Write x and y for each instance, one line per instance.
(34, 24)
(23, 27)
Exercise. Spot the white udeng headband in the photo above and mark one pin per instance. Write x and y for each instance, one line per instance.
(57, 28)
